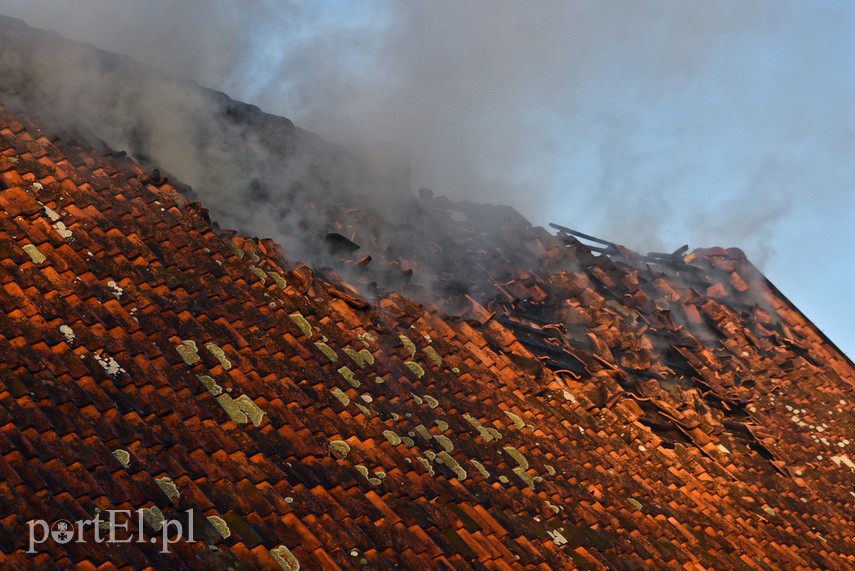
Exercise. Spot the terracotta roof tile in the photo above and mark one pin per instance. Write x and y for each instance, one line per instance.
(595, 408)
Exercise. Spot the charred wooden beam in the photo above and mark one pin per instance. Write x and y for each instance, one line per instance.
(609, 250)
(560, 365)
(339, 244)
(667, 257)
(524, 327)
(582, 235)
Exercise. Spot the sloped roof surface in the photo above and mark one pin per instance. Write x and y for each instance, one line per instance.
(543, 404)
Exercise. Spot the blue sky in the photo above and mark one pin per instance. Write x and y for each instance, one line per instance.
(649, 123)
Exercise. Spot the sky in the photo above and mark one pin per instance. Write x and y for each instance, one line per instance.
(652, 124)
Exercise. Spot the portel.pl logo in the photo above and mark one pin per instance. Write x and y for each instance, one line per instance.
(110, 526)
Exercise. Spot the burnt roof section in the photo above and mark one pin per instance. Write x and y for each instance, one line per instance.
(527, 402)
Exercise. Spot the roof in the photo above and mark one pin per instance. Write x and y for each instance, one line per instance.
(525, 399)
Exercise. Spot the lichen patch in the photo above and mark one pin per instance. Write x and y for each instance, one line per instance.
(301, 323)
(210, 384)
(68, 333)
(220, 525)
(487, 433)
(188, 351)
(480, 467)
(262, 275)
(339, 394)
(409, 346)
(350, 376)
(392, 437)
(220, 355)
(35, 255)
(340, 448)
(109, 365)
(327, 351)
(433, 355)
(283, 556)
(123, 457)
(168, 486)
(446, 458)
(516, 455)
(426, 463)
(362, 357)
(415, 368)
(241, 409)
(52, 214)
(444, 441)
(153, 517)
(518, 422)
(116, 289)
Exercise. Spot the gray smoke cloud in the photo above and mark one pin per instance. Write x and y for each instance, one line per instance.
(248, 167)
(552, 107)
(649, 123)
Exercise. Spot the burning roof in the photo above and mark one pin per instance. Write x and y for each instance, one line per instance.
(483, 394)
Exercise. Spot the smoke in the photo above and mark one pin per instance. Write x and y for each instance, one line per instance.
(651, 124)
(247, 166)
(556, 108)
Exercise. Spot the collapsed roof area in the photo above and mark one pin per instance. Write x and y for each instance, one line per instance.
(450, 387)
